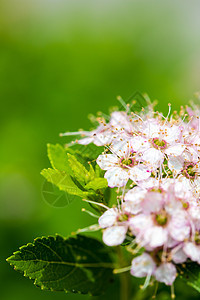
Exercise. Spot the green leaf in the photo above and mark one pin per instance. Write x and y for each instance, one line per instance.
(58, 158)
(190, 273)
(81, 174)
(98, 171)
(97, 184)
(78, 264)
(63, 181)
(91, 172)
(90, 151)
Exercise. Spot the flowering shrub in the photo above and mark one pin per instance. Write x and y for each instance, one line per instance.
(140, 174)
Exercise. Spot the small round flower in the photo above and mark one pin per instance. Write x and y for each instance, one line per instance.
(158, 140)
(145, 266)
(162, 217)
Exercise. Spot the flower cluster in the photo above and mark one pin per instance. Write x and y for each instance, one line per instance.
(153, 163)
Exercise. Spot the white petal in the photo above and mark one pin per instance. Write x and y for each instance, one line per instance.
(132, 207)
(151, 128)
(153, 202)
(191, 155)
(108, 218)
(175, 150)
(171, 243)
(139, 172)
(142, 266)
(175, 164)
(172, 134)
(178, 227)
(135, 194)
(192, 251)
(155, 236)
(166, 273)
(139, 144)
(153, 157)
(120, 121)
(179, 256)
(149, 183)
(133, 200)
(117, 177)
(103, 138)
(85, 141)
(121, 148)
(114, 235)
(183, 188)
(194, 211)
(107, 161)
(140, 223)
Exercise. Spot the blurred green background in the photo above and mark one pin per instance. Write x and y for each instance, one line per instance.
(59, 61)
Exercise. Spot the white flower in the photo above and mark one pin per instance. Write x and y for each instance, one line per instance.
(160, 209)
(160, 220)
(121, 166)
(144, 266)
(115, 225)
(157, 140)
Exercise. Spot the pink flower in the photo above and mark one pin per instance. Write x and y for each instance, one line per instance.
(160, 221)
(144, 266)
(157, 140)
(122, 165)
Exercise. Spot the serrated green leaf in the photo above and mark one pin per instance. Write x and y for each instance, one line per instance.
(190, 273)
(97, 184)
(81, 174)
(63, 181)
(78, 264)
(58, 158)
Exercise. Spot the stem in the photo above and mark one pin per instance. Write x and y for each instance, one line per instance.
(124, 277)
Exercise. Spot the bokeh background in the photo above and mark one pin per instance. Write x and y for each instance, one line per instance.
(59, 61)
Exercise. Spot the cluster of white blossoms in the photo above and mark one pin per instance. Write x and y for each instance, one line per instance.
(154, 163)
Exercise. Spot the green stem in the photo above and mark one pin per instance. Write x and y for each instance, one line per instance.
(124, 277)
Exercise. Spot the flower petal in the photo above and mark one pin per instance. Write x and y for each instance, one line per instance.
(166, 273)
(142, 266)
(153, 157)
(139, 172)
(133, 200)
(175, 150)
(179, 256)
(114, 235)
(117, 177)
(192, 251)
(175, 164)
(155, 236)
(85, 141)
(153, 202)
(179, 227)
(108, 218)
(107, 161)
(139, 144)
(139, 224)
